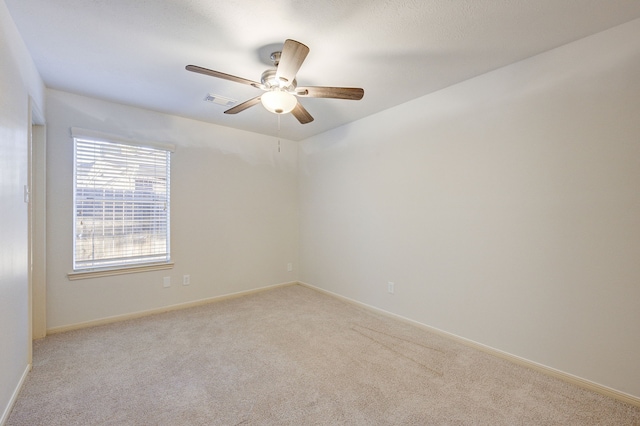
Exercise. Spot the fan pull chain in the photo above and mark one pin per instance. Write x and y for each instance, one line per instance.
(278, 132)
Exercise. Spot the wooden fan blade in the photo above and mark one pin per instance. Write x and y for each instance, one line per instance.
(218, 74)
(291, 58)
(301, 114)
(241, 107)
(351, 93)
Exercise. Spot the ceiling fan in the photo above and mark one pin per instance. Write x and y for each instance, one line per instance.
(281, 87)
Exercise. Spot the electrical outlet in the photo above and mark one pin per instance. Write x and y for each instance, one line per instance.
(186, 280)
(166, 282)
(391, 287)
(289, 267)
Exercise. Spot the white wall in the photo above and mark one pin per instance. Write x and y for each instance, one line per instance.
(506, 209)
(234, 223)
(18, 80)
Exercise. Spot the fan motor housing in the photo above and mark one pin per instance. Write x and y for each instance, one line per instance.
(270, 81)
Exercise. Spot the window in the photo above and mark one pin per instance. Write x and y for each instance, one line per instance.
(121, 202)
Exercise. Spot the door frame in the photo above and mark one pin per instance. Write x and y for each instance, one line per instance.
(37, 186)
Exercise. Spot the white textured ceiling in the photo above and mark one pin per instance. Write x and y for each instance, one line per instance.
(134, 51)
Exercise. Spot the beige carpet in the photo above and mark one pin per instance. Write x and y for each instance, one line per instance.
(289, 356)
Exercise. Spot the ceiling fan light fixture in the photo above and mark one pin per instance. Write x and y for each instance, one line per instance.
(278, 102)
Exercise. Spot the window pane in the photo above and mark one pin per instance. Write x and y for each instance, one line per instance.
(121, 204)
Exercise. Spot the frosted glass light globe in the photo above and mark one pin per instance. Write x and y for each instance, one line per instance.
(278, 102)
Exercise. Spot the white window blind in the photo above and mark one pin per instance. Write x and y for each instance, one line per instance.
(121, 198)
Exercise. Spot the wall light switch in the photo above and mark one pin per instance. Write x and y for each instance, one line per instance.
(186, 280)
(166, 282)
(289, 267)
(391, 287)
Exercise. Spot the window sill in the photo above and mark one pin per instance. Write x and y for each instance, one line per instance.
(97, 273)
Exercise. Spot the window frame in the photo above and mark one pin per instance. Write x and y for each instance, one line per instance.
(126, 266)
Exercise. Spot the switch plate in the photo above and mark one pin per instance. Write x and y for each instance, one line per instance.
(166, 282)
(391, 287)
(289, 267)
(186, 279)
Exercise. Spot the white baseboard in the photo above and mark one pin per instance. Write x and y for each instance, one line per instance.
(139, 314)
(14, 396)
(567, 377)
